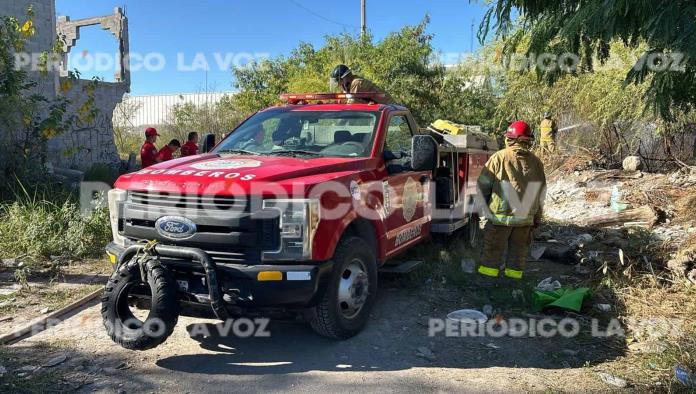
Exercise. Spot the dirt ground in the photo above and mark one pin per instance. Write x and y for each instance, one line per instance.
(393, 354)
(21, 305)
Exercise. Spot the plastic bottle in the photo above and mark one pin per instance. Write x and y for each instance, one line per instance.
(615, 196)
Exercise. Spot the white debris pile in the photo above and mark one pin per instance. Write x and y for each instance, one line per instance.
(571, 196)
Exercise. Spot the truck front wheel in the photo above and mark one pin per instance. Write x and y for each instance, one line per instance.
(351, 292)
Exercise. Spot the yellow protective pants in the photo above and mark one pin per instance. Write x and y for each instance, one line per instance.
(548, 145)
(499, 239)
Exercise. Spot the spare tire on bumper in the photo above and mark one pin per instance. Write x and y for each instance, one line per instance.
(121, 325)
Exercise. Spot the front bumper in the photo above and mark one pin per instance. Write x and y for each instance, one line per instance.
(245, 286)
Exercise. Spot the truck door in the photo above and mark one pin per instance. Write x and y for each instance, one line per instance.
(406, 191)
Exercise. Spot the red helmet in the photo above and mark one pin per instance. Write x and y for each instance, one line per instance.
(150, 132)
(519, 130)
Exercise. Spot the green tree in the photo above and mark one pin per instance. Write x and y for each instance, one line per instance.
(217, 118)
(588, 28)
(401, 63)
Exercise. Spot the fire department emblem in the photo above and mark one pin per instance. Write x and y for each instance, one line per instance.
(410, 199)
(226, 164)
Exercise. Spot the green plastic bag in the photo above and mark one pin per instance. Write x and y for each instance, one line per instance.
(565, 298)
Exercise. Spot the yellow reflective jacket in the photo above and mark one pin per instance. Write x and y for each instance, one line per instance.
(548, 130)
(362, 85)
(513, 185)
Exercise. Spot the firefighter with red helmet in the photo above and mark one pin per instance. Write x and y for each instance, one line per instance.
(513, 185)
(148, 152)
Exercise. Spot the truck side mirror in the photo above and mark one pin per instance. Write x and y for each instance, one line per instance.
(208, 143)
(424, 153)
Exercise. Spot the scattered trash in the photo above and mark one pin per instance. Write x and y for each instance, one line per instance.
(492, 346)
(445, 257)
(468, 265)
(55, 361)
(582, 240)
(548, 284)
(558, 252)
(685, 376)
(564, 298)
(616, 204)
(469, 315)
(603, 307)
(537, 251)
(518, 295)
(425, 353)
(612, 380)
(44, 311)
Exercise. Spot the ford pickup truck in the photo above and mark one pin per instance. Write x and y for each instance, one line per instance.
(295, 211)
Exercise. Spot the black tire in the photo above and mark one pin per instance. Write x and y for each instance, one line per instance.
(121, 325)
(335, 319)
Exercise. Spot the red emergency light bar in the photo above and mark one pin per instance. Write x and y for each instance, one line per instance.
(299, 98)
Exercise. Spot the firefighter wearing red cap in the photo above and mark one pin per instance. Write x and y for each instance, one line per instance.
(148, 152)
(513, 185)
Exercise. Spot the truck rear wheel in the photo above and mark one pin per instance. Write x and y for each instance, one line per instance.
(351, 292)
(122, 325)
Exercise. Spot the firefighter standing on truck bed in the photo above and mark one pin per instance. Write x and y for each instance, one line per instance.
(513, 185)
(548, 130)
(343, 77)
(148, 152)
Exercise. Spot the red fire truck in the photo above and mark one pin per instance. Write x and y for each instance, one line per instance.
(295, 211)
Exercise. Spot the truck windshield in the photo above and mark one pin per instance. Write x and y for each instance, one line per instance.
(304, 133)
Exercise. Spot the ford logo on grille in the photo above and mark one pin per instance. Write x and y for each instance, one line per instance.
(175, 227)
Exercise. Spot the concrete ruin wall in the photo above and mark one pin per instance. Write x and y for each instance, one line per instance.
(92, 142)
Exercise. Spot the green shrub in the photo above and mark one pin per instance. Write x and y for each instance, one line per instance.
(32, 230)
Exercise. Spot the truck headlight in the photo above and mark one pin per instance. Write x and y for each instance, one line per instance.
(116, 199)
(298, 222)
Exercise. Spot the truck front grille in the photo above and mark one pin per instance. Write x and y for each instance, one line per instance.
(225, 227)
(182, 201)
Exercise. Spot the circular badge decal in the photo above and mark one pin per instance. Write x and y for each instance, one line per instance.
(410, 199)
(226, 164)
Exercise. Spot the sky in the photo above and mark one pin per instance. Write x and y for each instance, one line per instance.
(173, 42)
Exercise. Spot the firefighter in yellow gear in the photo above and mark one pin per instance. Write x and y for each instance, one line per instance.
(548, 130)
(344, 78)
(513, 185)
